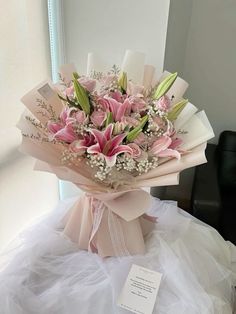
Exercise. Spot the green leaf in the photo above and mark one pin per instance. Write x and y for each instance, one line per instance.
(165, 85)
(176, 110)
(123, 81)
(131, 136)
(109, 119)
(81, 96)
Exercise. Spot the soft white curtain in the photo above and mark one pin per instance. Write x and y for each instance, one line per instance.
(24, 62)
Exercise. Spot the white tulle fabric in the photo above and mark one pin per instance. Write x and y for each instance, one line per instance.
(43, 272)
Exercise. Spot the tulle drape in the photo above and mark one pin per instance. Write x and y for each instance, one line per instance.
(44, 272)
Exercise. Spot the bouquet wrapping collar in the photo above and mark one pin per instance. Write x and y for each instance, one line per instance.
(110, 220)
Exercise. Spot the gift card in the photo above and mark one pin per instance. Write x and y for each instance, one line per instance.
(140, 290)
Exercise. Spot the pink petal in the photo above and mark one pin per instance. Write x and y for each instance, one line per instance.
(114, 106)
(89, 140)
(54, 127)
(65, 114)
(98, 118)
(94, 149)
(169, 153)
(99, 137)
(129, 106)
(69, 91)
(104, 104)
(161, 144)
(78, 147)
(108, 132)
(122, 149)
(136, 151)
(66, 134)
(176, 143)
(117, 96)
(121, 110)
(117, 140)
(110, 160)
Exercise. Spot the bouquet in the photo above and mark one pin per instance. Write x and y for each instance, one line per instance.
(113, 134)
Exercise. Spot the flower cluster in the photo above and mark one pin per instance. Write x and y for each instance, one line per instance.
(117, 126)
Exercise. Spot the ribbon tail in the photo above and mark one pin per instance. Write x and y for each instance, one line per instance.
(97, 219)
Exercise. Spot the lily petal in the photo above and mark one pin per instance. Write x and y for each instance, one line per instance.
(176, 143)
(121, 110)
(161, 144)
(54, 127)
(110, 160)
(114, 106)
(108, 132)
(66, 134)
(117, 140)
(170, 153)
(94, 149)
(122, 149)
(99, 137)
(78, 147)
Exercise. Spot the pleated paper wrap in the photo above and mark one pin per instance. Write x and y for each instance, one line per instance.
(105, 220)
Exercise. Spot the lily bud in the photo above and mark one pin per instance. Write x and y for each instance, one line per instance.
(81, 95)
(176, 110)
(123, 81)
(109, 118)
(165, 85)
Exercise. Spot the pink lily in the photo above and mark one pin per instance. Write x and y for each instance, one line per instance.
(137, 104)
(107, 146)
(161, 148)
(65, 115)
(54, 127)
(130, 121)
(164, 103)
(66, 134)
(63, 130)
(98, 118)
(81, 117)
(176, 143)
(118, 109)
(117, 96)
(81, 146)
(69, 91)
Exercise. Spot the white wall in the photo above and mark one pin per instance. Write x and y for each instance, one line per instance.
(201, 46)
(109, 27)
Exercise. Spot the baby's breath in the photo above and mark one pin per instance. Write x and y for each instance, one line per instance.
(126, 163)
(145, 165)
(96, 161)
